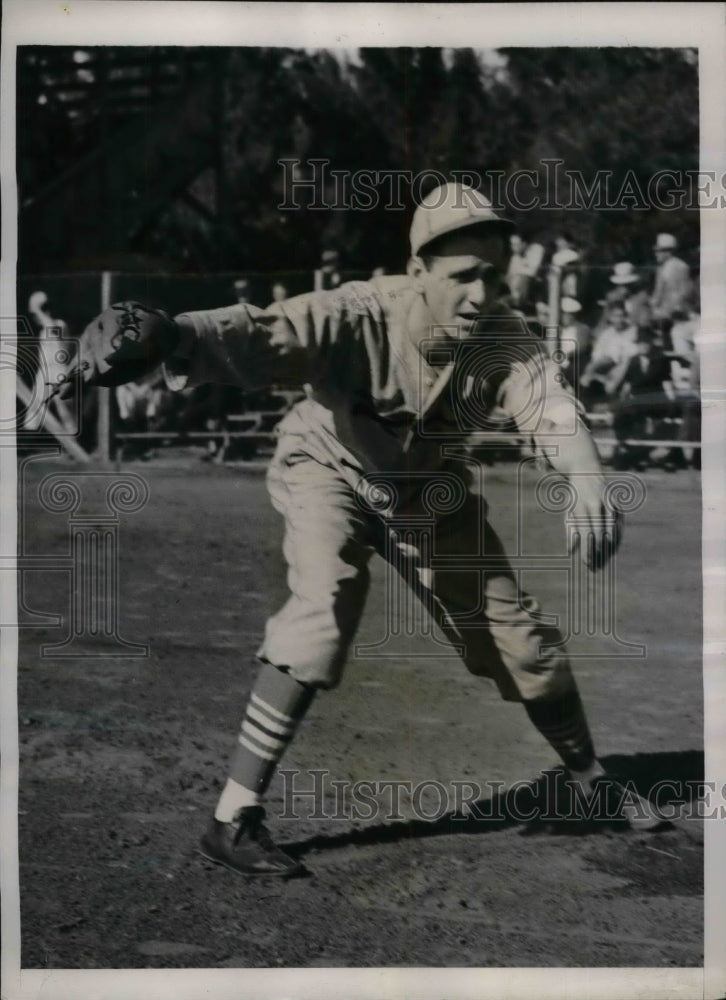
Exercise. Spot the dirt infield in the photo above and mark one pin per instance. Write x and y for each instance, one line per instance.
(122, 758)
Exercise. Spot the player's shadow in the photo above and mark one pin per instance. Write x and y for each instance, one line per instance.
(543, 806)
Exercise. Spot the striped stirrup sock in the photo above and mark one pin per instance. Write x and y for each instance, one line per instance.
(276, 706)
(563, 724)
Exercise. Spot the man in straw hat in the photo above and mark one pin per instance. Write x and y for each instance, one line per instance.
(629, 289)
(390, 367)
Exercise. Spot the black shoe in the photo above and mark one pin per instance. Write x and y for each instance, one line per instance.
(245, 846)
(607, 799)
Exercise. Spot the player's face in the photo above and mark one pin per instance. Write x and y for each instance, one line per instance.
(463, 280)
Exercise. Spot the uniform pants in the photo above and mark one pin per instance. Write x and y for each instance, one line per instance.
(328, 542)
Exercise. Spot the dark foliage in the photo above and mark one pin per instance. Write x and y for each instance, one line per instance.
(632, 112)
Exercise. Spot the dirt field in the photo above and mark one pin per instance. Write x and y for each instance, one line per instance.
(122, 758)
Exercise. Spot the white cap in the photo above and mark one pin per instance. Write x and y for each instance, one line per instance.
(665, 241)
(448, 208)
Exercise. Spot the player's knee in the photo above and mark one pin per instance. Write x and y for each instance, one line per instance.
(323, 674)
(523, 662)
(541, 671)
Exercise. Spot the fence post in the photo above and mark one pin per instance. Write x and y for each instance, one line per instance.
(104, 394)
(554, 278)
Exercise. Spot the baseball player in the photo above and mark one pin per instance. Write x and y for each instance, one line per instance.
(386, 364)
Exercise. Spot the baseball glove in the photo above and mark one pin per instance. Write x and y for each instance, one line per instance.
(126, 342)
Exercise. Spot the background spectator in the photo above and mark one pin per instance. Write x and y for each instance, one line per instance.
(684, 337)
(242, 291)
(686, 374)
(141, 406)
(328, 274)
(629, 289)
(567, 260)
(575, 341)
(524, 264)
(564, 241)
(612, 350)
(673, 285)
(645, 396)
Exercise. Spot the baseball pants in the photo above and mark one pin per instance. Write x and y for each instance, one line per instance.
(328, 542)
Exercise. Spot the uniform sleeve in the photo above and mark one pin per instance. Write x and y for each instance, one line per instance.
(306, 339)
(538, 398)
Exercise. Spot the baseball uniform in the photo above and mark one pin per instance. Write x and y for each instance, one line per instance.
(377, 412)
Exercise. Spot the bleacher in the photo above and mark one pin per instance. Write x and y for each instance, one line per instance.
(239, 436)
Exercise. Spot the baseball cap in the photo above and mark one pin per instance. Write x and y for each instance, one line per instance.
(450, 207)
(665, 241)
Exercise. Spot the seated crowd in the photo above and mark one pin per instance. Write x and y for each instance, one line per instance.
(635, 364)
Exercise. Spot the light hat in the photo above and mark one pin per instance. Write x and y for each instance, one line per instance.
(665, 241)
(450, 207)
(564, 257)
(624, 274)
(569, 305)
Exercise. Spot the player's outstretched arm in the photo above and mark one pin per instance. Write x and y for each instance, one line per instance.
(238, 345)
(558, 429)
(601, 524)
(307, 339)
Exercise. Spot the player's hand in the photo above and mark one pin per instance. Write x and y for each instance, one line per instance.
(125, 343)
(598, 525)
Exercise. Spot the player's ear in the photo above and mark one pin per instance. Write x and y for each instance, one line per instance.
(416, 270)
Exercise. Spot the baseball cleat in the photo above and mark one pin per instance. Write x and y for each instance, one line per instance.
(608, 799)
(245, 846)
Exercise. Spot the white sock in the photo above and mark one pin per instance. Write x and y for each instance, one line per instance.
(585, 777)
(234, 796)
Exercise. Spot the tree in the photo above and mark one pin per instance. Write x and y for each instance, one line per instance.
(632, 112)
(629, 111)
